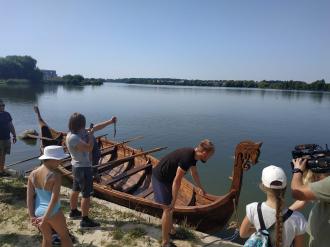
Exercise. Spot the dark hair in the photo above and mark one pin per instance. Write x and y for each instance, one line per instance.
(206, 145)
(77, 122)
(279, 196)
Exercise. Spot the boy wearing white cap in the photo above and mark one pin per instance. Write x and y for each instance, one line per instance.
(287, 231)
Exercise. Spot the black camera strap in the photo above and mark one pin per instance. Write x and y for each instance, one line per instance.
(285, 216)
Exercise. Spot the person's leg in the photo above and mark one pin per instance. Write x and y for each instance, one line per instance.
(85, 204)
(166, 225)
(163, 195)
(74, 200)
(2, 161)
(58, 223)
(86, 190)
(46, 235)
(75, 189)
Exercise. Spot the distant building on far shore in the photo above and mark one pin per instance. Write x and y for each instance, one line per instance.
(48, 74)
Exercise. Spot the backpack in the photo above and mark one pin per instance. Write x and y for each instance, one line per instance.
(261, 238)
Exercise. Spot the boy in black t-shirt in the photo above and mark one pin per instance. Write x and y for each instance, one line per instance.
(167, 176)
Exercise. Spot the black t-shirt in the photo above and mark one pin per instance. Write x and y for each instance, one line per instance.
(5, 120)
(165, 171)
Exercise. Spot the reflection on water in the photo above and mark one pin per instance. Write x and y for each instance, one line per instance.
(25, 93)
(317, 97)
(182, 116)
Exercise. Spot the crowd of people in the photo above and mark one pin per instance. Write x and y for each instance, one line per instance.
(285, 226)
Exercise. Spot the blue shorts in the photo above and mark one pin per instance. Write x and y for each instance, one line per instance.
(83, 180)
(162, 191)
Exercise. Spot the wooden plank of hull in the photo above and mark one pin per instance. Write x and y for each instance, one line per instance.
(127, 174)
(207, 218)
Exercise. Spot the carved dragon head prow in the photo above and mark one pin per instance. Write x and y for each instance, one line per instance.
(248, 152)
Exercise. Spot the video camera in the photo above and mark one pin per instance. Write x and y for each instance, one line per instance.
(318, 158)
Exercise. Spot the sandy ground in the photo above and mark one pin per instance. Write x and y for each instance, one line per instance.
(119, 226)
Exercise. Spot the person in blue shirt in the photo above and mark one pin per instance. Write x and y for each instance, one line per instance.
(43, 191)
(6, 127)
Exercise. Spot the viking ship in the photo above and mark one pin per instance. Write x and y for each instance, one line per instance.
(124, 178)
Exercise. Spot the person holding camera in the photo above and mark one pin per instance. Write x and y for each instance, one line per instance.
(319, 192)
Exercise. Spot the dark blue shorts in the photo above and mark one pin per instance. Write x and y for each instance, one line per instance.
(82, 180)
(162, 191)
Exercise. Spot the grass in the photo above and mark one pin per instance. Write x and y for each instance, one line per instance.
(12, 190)
(117, 234)
(186, 233)
(129, 228)
(10, 238)
(136, 232)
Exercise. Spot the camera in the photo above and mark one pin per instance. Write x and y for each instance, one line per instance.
(318, 158)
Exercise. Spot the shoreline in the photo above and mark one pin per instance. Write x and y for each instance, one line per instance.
(120, 226)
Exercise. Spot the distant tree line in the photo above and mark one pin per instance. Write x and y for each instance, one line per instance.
(75, 80)
(19, 69)
(23, 69)
(319, 85)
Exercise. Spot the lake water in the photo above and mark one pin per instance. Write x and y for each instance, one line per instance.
(182, 116)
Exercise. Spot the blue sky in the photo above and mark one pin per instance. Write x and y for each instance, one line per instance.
(205, 39)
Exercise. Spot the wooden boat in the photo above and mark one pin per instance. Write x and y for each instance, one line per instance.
(125, 179)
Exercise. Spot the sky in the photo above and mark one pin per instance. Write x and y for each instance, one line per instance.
(191, 39)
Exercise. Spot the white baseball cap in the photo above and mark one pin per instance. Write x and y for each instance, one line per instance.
(273, 177)
(53, 153)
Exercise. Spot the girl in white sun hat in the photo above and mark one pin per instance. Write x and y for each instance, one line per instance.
(286, 228)
(43, 193)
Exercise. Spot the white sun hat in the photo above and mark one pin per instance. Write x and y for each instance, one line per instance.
(273, 177)
(53, 153)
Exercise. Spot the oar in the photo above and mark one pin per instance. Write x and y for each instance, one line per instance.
(124, 142)
(67, 159)
(116, 163)
(112, 146)
(39, 137)
(131, 157)
(22, 161)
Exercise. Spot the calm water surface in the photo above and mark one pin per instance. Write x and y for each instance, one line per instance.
(182, 116)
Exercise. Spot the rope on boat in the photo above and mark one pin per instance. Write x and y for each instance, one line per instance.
(114, 129)
(231, 225)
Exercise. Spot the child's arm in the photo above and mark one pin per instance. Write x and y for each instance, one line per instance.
(104, 124)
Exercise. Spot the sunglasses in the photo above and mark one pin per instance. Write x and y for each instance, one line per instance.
(2, 104)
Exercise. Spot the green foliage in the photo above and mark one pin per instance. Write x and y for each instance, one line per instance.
(19, 67)
(75, 80)
(319, 85)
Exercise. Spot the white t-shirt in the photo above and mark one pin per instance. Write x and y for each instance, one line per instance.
(295, 225)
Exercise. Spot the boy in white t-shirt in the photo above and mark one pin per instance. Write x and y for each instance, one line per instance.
(283, 234)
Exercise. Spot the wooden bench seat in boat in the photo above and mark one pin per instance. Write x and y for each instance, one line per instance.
(127, 174)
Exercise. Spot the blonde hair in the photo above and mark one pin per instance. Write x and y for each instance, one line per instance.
(308, 177)
(206, 145)
(279, 197)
